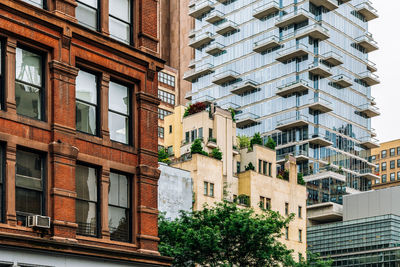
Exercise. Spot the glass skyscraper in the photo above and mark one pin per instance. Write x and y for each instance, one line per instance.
(296, 71)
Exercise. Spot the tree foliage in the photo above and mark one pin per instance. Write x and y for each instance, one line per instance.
(256, 140)
(227, 235)
(270, 143)
(244, 141)
(216, 153)
(194, 108)
(300, 179)
(163, 156)
(197, 148)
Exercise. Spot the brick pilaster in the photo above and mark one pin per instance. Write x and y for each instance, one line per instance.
(11, 156)
(11, 46)
(105, 82)
(104, 187)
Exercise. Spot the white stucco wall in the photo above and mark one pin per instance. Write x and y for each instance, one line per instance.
(175, 191)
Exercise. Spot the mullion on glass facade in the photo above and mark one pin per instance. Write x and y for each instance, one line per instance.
(87, 200)
(120, 20)
(29, 184)
(29, 83)
(86, 103)
(87, 13)
(119, 214)
(119, 113)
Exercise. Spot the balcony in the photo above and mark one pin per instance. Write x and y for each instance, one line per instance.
(297, 16)
(293, 122)
(293, 87)
(367, 42)
(373, 101)
(215, 48)
(315, 31)
(342, 80)
(368, 174)
(328, 4)
(192, 64)
(369, 78)
(212, 143)
(320, 104)
(245, 119)
(265, 44)
(227, 26)
(325, 173)
(300, 156)
(332, 58)
(200, 8)
(195, 73)
(367, 11)
(244, 86)
(230, 105)
(189, 96)
(224, 77)
(319, 141)
(292, 52)
(324, 213)
(371, 66)
(192, 33)
(369, 142)
(201, 39)
(266, 8)
(317, 68)
(215, 16)
(369, 110)
(206, 99)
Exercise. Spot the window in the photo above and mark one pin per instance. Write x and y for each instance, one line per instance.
(392, 164)
(398, 151)
(210, 133)
(265, 167)
(383, 178)
(392, 176)
(392, 152)
(170, 151)
(373, 157)
(262, 202)
(160, 132)
(208, 189)
(187, 137)
(162, 113)
(29, 184)
(2, 163)
(259, 166)
(377, 167)
(119, 219)
(29, 84)
(119, 120)
(383, 166)
(166, 97)
(39, 3)
(201, 133)
(170, 129)
(193, 134)
(87, 13)
(166, 79)
(120, 20)
(398, 175)
(86, 200)
(286, 208)
(299, 212)
(211, 190)
(287, 233)
(383, 154)
(2, 60)
(86, 103)
(268, 203)
(300, 235)
(398, 163)
(238, 167)
(205, 188)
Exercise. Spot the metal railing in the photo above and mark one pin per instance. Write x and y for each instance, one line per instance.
(318, 64)
(245, 116)
(201, 36)
(215, 13)
(292, 49)
(366, 5)
(368, 74)
(289, 84)
(207, 66)
(293, 14)
(296, 153)
(224, 74)
(292, 119)
(199, 5)
(264, 5)
(305, 29)
(320, 100)
(267, 40)
(369, 107)
(366, 38)
(369, 139)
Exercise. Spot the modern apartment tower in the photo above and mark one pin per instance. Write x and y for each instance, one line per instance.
(296, 71)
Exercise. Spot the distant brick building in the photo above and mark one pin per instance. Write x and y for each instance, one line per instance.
(78, 132)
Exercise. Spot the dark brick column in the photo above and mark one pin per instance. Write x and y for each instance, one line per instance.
(11, 156)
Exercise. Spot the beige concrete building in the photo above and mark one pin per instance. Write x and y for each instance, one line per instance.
(227, 179)
(387, 158)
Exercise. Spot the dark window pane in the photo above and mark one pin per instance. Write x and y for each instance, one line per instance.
(27, 99)
(86, 218)
(86, 183)
(86, 118)
(118, 223)
(29, 164)
(119, 190)
(28, 201)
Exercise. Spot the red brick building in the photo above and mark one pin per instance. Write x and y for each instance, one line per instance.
(78, 132)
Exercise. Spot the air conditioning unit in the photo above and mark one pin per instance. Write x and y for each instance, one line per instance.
(39, 221)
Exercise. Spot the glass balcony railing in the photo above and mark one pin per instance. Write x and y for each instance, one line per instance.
(198, 71)
(369, 110)
(332, 58)
(367, 42)
(200, 7)
(320, 69)
(245, 119)
(215, 48)
(369, 142)
(225, 76)
(266, 43)
(316, 31)
(299, 154)
(244, 86)
(369, 78)
(296, 16)
(367, 10)
(206, 99)
(293, 122)
(342, 80)
(226, 27)
(201, 39)
(320, 104)
(297, 86)
(292, 52)
(215, 16)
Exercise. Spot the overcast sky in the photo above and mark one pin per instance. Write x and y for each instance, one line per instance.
(386, 32)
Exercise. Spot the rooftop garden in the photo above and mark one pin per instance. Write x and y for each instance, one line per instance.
(194, 108)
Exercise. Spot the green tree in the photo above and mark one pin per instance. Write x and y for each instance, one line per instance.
(256, 140)
(163, 156)
(300, 179)
(226, 235)
(216, 153)
(197, 148)
(270, 143)
(244, 141)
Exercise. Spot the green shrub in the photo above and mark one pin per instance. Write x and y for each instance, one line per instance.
(244, 141)
(197, 148)
(216, 153)
(300, 179)
(249, 167)
(270, 143)
(256, 140)
(163, 156)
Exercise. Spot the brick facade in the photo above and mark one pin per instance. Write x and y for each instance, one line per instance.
(67, 46)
